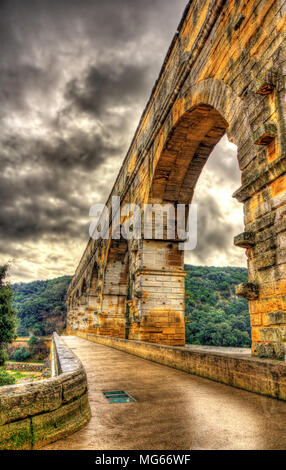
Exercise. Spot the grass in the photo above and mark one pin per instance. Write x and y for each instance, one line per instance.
(28, 361)
(18, 375)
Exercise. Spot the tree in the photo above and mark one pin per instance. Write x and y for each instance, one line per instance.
(7, 314)
(33, 341)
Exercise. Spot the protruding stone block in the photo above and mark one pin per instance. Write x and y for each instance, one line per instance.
(265, 134)
(266, 82)
(247, 290)
(245, 239)
(269, 349)
(238, 23)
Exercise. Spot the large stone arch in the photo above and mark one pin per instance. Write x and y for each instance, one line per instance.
(200, 116)
(187, 138)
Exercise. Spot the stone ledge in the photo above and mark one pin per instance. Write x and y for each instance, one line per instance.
(35, 413)
(262, 376)
(26, 366)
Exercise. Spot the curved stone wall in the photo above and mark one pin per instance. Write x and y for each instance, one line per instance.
(37, 413)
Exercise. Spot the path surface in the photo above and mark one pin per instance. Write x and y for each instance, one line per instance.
(174, 410)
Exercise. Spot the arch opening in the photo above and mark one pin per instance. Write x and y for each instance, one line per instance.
(113, 317)
(187, 149)
(93, 297)
(215, 315)
(198, 134)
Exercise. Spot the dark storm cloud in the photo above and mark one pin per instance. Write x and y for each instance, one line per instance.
(78, 150)
(105, 86)
(74, 79)
(59, 62)
(14, 84)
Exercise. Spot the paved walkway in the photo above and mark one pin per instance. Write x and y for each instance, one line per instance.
(225, 350)
(174, 410)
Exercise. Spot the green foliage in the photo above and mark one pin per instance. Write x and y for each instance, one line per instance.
(3, 356)
(6, 378)
(18, 375)
(33, 341)
(7, 314)
(41, 306)
(21, 354)
(23, 332)
(215, 315)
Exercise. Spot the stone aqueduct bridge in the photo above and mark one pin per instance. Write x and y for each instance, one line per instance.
(225, 72)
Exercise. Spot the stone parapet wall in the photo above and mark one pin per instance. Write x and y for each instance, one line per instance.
(263, 376)
(34, 414)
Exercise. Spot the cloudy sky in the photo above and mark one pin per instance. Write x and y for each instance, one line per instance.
(75, 76)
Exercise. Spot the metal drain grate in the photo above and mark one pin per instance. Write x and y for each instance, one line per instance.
(118, 396)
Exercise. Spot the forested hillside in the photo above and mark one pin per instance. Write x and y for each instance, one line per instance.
(215, 316)
(41, 306)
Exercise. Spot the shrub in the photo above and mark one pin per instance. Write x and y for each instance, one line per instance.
(6, 379)
(3, 357)
(21, 354)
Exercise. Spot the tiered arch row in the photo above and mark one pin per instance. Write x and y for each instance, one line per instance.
(224, 73)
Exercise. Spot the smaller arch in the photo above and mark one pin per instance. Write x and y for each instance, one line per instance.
(83, 287)
(115, 289)
(93, 282)
(93, 297)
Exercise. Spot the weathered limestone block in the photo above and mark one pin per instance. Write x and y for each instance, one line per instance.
(73, 385)
(261, 249)
(266, 260)
(265, 134)
(247, 290)
(266, 82)
(18, 402)
(244, 240)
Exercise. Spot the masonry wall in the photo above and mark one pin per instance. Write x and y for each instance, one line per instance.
(34, 414)
(25, 366)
